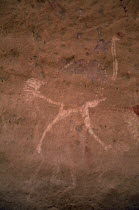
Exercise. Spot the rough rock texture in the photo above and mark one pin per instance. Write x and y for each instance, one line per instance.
(69, 104)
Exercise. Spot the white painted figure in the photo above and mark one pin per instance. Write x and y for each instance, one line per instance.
(32, 91)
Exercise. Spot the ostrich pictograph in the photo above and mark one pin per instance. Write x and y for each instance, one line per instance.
(32, 91)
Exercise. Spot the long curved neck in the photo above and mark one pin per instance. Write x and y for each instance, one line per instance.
(115, 61)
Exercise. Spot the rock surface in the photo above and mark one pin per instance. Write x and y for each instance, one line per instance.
(69, 104)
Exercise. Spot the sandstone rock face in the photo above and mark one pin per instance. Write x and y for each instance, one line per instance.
(69, 104)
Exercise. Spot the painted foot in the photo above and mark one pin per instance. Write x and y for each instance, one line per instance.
(38, 149)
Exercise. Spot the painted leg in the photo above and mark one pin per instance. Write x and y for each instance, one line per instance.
(49, 127)
(88, 126)
(61, 115)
